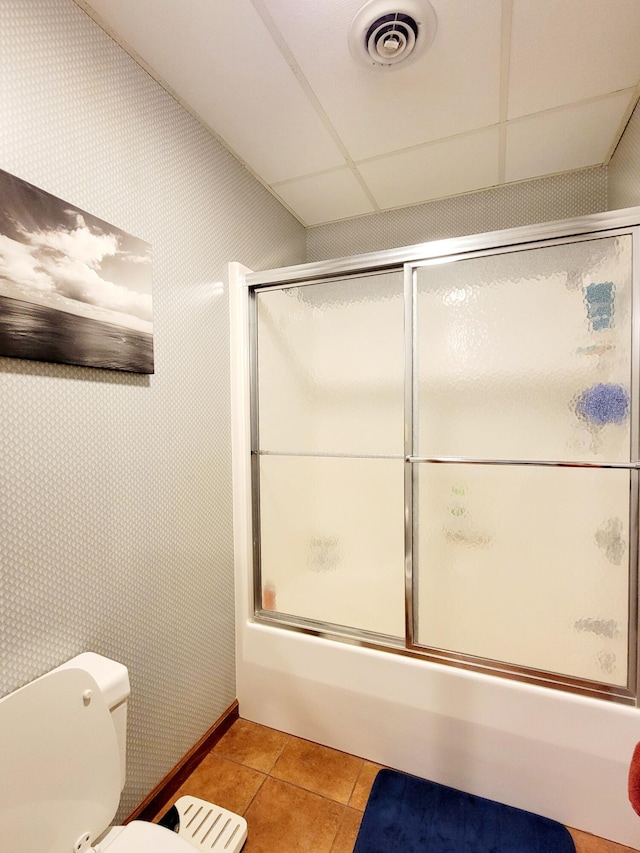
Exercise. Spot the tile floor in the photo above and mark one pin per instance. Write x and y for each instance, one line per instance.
(297, 796)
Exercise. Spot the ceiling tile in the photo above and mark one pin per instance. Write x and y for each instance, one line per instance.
(443, 168)
(569, 50)
(220, 58)
(564, 139)
(275, 80)
(326, 197)
(453, 88)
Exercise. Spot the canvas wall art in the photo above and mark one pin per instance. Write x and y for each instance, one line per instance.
(73, 289)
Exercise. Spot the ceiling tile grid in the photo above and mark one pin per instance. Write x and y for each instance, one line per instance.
(224, 65)
(565, 51)
(375, 112)
(511, 205)
(547, 86)
(326, 197)
(559, 140)
(436, 170)
(624, 169)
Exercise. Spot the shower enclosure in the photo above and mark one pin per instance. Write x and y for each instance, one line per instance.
(444, 453)
(435, 470)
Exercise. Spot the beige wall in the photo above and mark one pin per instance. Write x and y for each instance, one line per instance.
(115, 489)
(624, 167)
(527, 203)
(558, 197)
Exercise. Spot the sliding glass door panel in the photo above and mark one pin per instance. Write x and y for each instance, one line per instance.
(332, 537)
(525, 565)
(527, 354)
(444, 456)
(331, 365)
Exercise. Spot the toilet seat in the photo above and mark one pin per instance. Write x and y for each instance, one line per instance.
(141, 837)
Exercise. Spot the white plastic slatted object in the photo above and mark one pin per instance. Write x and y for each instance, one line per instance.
(209, 827)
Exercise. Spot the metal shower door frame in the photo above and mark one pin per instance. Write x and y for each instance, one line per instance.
(629, 693)
(410, 259)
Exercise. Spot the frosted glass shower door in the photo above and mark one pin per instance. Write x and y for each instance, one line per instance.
(522, 482)
(328, 453)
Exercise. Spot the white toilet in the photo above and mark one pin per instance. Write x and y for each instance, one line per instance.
(62, 768)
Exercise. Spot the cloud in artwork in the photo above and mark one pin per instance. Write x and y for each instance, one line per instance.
(19, 265)
(135, 259)
(66, 261)
(81, 243)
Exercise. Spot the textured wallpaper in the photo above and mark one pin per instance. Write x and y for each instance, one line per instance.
(542, 200)
(624, 167)
(115, 489)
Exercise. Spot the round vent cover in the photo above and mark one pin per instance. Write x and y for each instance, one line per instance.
(390, 33)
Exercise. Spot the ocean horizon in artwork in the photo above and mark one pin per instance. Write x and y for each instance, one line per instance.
(73, 288)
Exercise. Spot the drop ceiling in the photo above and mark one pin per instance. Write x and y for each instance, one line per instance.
(508, 90)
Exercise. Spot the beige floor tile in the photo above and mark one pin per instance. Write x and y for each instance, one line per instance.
(313, 799)
(319, 769)
(286, 819)
(586, 843)
(225, 783)
(362, 788)
(252, 744)
(347, 831)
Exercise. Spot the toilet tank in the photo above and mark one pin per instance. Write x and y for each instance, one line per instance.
(113, 680)
(62, 756)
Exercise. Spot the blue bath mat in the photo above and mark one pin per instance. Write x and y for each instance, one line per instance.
(405, 814)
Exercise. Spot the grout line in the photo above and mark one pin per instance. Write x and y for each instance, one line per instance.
(257, 791)
(148, 69)
(626, 118)
(505, 63)
(355, 783)
(588, 837)
(269, 773)
(339, 824)
(278, 756)
(274, 31)
(313, 793)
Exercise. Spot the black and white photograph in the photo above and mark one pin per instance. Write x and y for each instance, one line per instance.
(73, 288)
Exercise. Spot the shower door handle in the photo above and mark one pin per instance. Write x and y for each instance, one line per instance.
(542, 463)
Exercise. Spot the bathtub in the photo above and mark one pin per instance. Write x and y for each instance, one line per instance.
(559, 754)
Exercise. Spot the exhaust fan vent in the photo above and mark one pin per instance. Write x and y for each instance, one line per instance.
(386, 34)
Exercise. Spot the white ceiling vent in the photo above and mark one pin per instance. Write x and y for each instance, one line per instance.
(391, 33)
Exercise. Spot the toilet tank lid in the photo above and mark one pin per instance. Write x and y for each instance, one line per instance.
(111, 677)
(60, 767)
